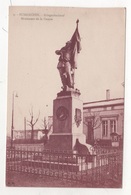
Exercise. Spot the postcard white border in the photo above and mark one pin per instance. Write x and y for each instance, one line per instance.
(3, 94)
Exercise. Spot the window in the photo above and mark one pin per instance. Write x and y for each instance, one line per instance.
(105, 128)
(113, 126)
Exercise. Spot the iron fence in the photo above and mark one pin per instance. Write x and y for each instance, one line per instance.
(102, 165)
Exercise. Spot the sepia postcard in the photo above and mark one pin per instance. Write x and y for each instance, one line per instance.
(65, 123)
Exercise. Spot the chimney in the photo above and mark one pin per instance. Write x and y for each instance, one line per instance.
(107, 94)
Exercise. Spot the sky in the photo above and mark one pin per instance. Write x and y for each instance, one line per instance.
(32, 62)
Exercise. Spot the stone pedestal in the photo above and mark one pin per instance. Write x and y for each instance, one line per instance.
(67, 121)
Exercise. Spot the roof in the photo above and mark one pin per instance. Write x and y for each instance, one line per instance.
(101, 103)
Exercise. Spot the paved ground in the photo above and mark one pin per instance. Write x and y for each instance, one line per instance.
(27, 180)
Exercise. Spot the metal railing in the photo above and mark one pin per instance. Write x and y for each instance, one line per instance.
(104, 164)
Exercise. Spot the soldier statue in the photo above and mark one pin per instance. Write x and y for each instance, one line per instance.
(67, 60)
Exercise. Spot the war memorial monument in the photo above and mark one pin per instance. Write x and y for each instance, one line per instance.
(68, 107)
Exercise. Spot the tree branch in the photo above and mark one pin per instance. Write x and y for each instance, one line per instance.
(94, 119)
(31, 122)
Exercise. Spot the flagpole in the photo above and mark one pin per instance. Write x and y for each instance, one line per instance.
(77, 21)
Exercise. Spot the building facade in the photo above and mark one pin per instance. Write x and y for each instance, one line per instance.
(102, 119)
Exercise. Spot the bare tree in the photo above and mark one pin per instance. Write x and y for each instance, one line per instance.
(48, 127)
(32, 122)
(45, 123)
(92, 122)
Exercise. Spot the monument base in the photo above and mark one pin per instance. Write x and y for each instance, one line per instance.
(64, 141)
(67, 122)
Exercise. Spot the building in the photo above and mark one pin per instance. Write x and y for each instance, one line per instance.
(26, 134)
(102, 119)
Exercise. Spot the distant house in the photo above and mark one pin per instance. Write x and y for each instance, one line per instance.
(22, 134)
(102, 118)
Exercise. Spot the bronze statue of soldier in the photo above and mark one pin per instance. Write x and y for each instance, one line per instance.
(67, 60)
